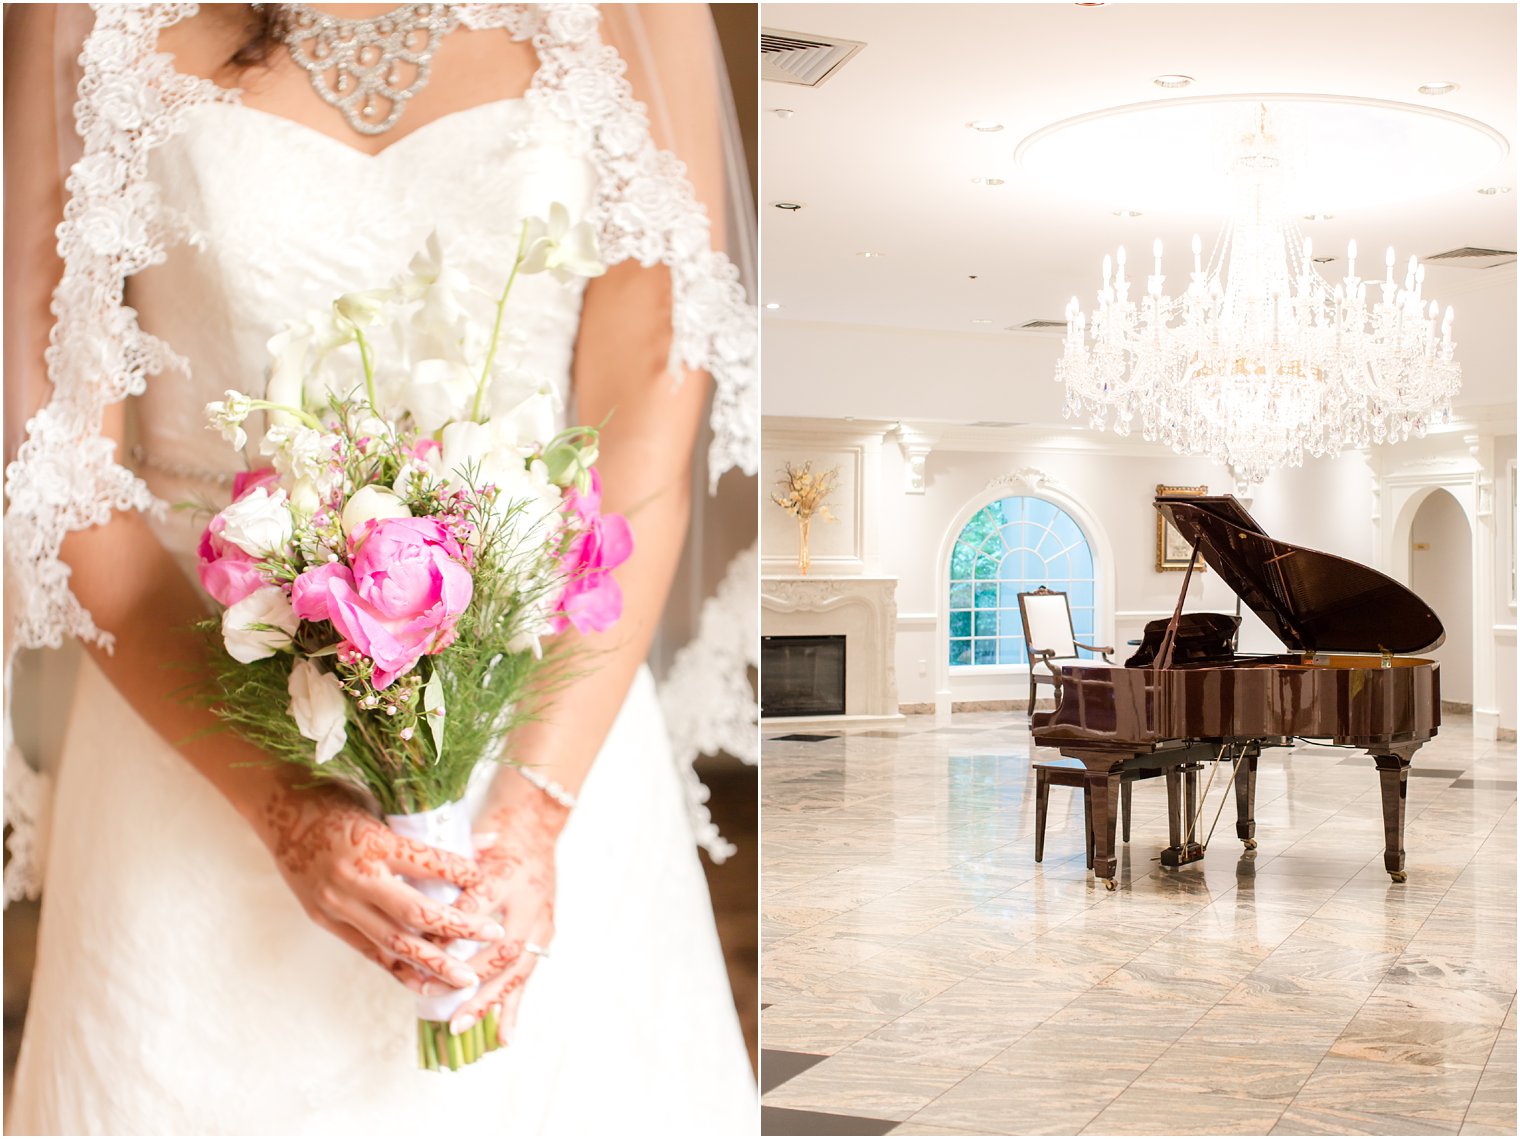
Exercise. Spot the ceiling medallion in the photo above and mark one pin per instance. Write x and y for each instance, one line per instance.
(1260, 360)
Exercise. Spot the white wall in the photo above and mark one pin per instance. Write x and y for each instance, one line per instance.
(1504, 600)
(1440, 571)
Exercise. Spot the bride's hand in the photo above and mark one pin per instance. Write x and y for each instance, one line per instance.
(342, 864)
(514, 848)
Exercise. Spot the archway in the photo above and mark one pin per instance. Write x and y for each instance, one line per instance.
(1440, 571)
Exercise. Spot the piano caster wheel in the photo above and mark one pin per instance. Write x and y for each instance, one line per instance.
(1399, 875)
(1250, 844)
(1110, 885)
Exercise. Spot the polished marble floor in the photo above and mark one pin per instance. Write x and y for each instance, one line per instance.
(922, 975)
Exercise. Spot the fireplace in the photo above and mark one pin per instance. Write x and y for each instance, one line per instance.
(802, 676)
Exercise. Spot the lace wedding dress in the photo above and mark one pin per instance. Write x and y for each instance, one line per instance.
(179, 987)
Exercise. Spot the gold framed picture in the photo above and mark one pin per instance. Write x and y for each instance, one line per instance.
(1172, 550)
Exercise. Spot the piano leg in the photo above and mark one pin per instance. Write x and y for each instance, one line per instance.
(1181, 808)
(1245, 798)
(1103, 783)
(1393, 777)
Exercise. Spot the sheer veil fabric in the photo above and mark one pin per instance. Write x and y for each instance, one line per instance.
(147, 1016)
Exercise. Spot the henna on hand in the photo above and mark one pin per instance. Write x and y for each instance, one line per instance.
(515, 852)
(342, 864)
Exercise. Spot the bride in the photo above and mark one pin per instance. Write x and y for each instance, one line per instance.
(210, 932)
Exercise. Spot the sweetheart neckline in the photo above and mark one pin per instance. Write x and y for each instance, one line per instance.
(426, 128)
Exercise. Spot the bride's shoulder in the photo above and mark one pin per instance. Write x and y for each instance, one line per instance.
(203, 44)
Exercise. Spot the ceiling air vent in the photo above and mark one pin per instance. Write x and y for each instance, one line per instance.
(1038, 326)
(1470, 258)
(802, 58)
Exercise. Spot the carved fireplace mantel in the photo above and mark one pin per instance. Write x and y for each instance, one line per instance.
(860, 608)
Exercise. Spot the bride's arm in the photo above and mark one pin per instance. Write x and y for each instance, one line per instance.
(620, 376)
(336, 858)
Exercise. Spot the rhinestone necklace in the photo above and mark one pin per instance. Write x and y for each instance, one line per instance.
(357, 66)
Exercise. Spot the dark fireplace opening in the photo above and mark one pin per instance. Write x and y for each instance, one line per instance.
(802, 676)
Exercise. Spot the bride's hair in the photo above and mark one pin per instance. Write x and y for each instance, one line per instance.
(265, 27)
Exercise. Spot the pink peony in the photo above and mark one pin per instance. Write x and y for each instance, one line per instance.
(592, 601)
(400, 600)
(227, 572)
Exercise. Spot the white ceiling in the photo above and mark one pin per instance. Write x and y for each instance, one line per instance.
(883, 161)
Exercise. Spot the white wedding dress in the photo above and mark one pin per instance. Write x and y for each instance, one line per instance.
(179, 987)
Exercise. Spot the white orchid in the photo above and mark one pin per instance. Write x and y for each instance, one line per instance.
(365, 308)
(319, 708)
(228, 416)
(259, 626)
(559, 248)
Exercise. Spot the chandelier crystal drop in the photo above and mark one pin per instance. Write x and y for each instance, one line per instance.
(1261, 360)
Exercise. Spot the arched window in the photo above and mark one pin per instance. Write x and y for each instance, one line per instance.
(1009, 547)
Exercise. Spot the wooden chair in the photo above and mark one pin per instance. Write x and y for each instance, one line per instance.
(1071, 773)
(1049, 637)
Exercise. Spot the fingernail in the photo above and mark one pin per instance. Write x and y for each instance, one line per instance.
(462, 978)
(494, 931)
(461, 1024)
(432, 988)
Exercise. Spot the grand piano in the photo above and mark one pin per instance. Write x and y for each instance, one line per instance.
(1187, 698)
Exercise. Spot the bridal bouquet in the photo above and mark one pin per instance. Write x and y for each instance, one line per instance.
(390, 581)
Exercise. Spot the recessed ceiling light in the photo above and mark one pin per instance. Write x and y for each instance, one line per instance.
(1444, 87)
(772, 305)
(1173, 82)
(1127, 213)
(789, 207)
(988, 181)
(978, 321)
(1318, 217)
(986, 126)
(870, 254)
(1491, 190)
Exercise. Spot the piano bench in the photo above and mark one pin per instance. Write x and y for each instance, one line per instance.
(1071, 773)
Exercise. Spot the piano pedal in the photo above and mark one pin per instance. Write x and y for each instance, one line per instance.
(1175, 856)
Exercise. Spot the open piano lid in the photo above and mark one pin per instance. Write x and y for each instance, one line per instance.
(1314, 602)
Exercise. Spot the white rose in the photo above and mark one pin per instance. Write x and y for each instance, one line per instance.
(371, 502)
(437, 391)
(259, 625)
(259, 523)
(319, 708)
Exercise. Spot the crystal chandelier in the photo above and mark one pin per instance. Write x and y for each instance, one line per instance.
(1260, 360)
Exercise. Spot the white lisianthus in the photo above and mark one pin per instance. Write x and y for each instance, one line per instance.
(564, 250)
(259, 523)
(533, 417)
(436, 392)
(319, 708)
(371, 502)
(485, 452)
(259, 625)
(227, 416)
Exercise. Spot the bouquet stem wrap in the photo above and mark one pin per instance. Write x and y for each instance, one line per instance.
(446, 828)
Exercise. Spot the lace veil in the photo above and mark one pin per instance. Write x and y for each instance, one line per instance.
(104, 96)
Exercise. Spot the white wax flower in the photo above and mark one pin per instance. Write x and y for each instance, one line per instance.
(259, 523)
(319, 708)
(259, 625)
(564, 250)
(370, 502)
